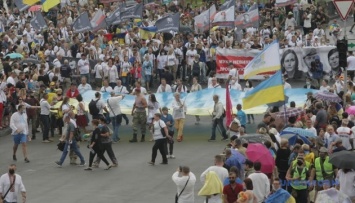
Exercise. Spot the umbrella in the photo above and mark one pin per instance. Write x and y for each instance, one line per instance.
(35, 8)
(258, 152)
(30, 60)
(343, 159)
(279, 103)
(351, 110)
(332, 195)
(14, 55)
(327, 96)
(297, 133)
(289, 112)
(253, 138)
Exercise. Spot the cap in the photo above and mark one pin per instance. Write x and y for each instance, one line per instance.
(52, 84)
(323, 150)
(290, 13)
(165, 108)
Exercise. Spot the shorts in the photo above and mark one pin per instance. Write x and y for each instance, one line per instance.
(147, 78)
(20, 138)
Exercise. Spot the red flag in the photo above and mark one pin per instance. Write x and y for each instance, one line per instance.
(229, 107)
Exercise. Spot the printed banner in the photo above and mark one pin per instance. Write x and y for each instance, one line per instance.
(249, 19)
(227, 4)
(294, 61)
(38, 23)
(82, 23)
(20, 5)
(168, 23)
(224, 18)
(132, 12)
(201, 102)
(203, 21)
(282, 3)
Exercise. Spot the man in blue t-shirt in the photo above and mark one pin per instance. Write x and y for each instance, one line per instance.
(242, 117)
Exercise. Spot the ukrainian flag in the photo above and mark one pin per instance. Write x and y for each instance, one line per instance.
(280, 195)
(269, 91)
(266, 61)
(145, 31)
(48, 4)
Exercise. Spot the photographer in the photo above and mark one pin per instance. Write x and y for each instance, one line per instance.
(185, 182)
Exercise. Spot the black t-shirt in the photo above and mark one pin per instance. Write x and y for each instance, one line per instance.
(44, 79)
(104, 129)
(7, 68)
(65, 71)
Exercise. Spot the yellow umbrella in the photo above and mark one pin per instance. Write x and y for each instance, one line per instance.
(30, 2)
(48, 4)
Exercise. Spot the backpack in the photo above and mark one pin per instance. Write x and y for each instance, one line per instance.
(93, 108)
(77, 136)
(46, 78)
(196, 68)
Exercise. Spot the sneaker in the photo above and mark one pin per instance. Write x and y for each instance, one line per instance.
(82, 164)
(212, 140)
(114, 142)
(58, 164)
(172, 157)
(26, 160)
(168, 156)
(14, 157)
(151, 163)
(108, 167)
(88, 169)
(95, 165)
(224, 139)
(114, 165)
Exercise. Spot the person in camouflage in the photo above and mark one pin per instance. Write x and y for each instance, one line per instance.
(139, 115)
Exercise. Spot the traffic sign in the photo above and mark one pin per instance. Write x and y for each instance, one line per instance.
(343, 7)
(351, 44)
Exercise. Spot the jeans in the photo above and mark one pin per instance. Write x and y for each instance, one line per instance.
(219, 122)
(45, 122)
(74, 147)
(115, 124)
(161, 145)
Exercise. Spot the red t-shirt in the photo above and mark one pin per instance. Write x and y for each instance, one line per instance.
(232, 194)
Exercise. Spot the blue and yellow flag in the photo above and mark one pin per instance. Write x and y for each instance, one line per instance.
(145, 31)
(270, 90)
(266, 61)
(30, 2)
(48, 4)
(280, 195)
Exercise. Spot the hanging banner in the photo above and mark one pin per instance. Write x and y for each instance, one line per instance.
(294, 61)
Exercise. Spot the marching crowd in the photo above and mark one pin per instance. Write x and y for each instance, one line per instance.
(30, 89)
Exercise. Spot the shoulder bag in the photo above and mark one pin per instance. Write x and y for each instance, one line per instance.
(162, 131)
(118, 117)
(177, 196)
(13, 183)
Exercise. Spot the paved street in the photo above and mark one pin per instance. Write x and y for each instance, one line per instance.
(132, 181)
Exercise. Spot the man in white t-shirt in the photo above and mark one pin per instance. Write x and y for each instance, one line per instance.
(351, 65)
(115, 114)
(120, 89)
(309, 127)
(105, 87)
(84, 86)
(163, 87)
(261, 183)
(221, 172)
(344, 132)
(233, 73)
(84, 67)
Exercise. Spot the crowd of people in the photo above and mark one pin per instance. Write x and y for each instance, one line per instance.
(31, 88)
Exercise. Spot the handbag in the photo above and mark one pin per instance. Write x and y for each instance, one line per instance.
(162, 130)
(7, 192)
(177, 196)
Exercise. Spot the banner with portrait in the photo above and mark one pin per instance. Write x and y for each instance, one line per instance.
(295, 62)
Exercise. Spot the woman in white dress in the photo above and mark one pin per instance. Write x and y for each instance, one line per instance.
(153, 107)
(194, 88)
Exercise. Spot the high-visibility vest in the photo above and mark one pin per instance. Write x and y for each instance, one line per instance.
(302, 183)
(294, 164)
(328, 168)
